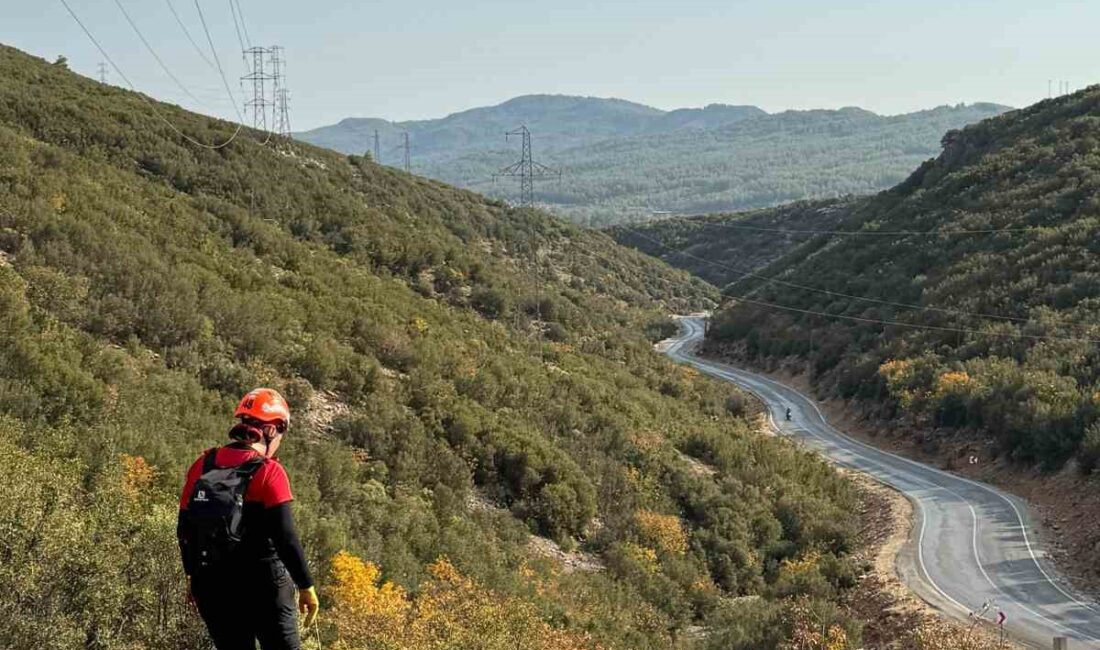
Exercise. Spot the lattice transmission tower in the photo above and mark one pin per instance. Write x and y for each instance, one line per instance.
(281, 94)
(408, 158)
(527, 170)
(403, 147)
(261, 81)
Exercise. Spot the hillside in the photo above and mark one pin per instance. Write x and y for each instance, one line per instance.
(961, 329)
(561, 122)
(724, 249)
(689, 161)
(464, 376)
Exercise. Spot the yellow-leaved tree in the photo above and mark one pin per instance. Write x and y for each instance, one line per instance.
(449, 612)
(664, 532)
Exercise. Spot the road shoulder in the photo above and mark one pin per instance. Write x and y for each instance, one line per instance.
(894, 616)
(1055, 500)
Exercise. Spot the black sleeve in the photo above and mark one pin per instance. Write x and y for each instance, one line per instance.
(182, 539)
(280, 524)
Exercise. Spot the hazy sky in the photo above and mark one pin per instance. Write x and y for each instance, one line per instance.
(427, 58)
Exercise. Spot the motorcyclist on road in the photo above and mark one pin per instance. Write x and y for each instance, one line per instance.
(240, 550)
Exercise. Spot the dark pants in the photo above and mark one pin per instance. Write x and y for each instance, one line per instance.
(246, 604)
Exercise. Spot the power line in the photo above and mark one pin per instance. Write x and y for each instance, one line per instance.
(233, 8)
(837, 294)
(187, 33)
(156, 57)
(956, 330)
(860, 233)
(244, 24)
(152, 105)
(916, 326)
(218, 62)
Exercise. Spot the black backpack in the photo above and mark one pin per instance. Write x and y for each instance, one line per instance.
(215, 511)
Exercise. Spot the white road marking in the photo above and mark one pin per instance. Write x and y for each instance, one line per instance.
(675, 350)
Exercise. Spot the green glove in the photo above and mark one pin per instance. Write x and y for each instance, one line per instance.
(308, 605)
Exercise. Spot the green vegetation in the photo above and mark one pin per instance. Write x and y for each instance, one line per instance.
(626, 162)
(1029, 379)
(439, 351)
(724, 249)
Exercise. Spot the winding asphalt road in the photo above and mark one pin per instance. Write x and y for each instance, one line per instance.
(973, 549)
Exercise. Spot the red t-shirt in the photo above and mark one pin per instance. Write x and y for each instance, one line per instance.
(270, 485)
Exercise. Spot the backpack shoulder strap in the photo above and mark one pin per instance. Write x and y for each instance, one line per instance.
(208, 459)
(250, 467)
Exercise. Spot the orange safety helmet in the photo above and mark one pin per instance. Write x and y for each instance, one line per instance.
(265, 405)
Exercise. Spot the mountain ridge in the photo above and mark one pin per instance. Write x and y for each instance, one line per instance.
(620, 165)
(603, 116)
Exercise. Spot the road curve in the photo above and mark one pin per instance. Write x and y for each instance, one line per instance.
(973, 548)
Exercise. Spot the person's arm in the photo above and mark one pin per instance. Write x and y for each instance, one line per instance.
(272, 488)
(182, 524)
(274, 492)
(183, 539)
(280, 526)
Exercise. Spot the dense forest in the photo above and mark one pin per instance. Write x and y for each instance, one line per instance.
(467, 379)
(967, 297)
(726, 248)
(712, 160)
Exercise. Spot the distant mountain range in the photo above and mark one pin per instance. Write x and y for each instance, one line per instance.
(558, 122)
(624, 161)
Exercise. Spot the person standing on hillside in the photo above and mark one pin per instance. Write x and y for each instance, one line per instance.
(240, 550)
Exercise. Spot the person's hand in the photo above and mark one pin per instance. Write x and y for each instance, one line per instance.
(308, 605)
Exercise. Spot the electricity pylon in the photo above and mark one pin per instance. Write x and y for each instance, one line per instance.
(260, 79)
(408, 159)
(403, 147)
(527, 170)
(281, 94)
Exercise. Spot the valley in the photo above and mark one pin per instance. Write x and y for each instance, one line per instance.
(626, 162)
(462, 339)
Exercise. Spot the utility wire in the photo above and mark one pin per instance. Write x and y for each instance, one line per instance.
(151, 103)
(838, 294)
(187, 33)
(915, 326)
(861, 233)
(244, 25)
(156, 57)
(959, 330)
(214, 52)
(240, 39)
